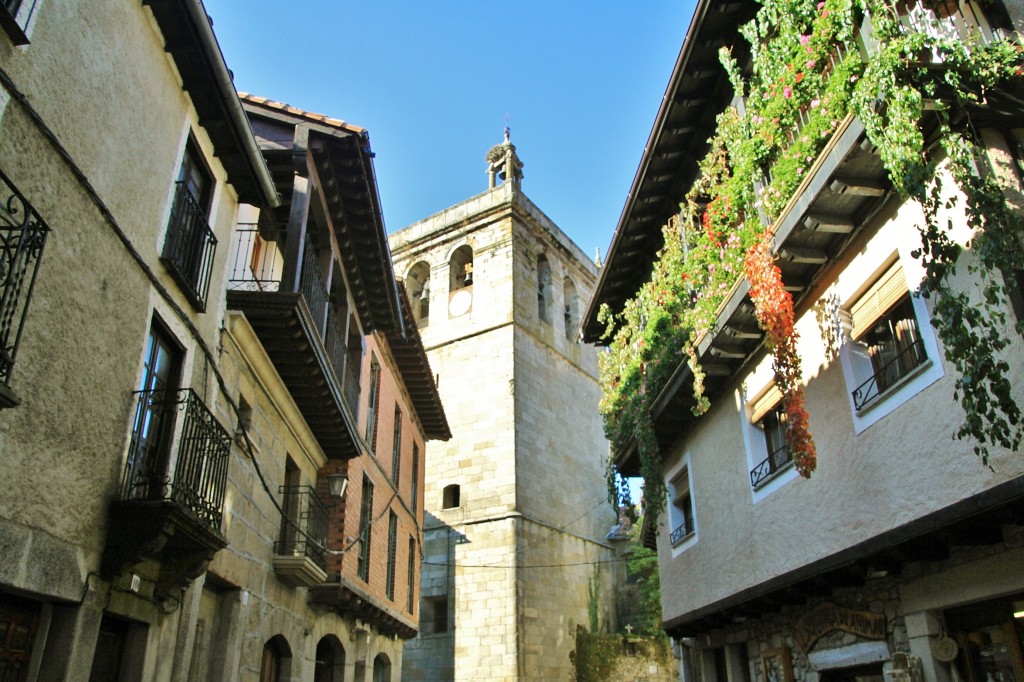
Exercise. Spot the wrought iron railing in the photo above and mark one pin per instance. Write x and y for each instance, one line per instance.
(681, 531)
(22, 238)
(905, 362)
(190, 246)
(313, 288)
(257, 265)
(178, 452)
(304, 533)
(12, 23)
(772, 464)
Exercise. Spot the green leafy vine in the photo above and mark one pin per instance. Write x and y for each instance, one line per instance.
(808, 75)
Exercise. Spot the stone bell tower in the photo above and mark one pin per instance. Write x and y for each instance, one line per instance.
(516, 504)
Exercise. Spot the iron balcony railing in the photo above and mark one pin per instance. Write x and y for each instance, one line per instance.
(772, 464)
(889, 374)
(22, 238)
(681, 531)
(257, 267)
(190, 246)
(257, 264)
(304, 531)
(15, 16)
(178, 452)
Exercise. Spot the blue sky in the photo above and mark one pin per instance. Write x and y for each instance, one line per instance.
(433, 83)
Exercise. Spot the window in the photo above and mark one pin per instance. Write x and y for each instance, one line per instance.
(887, 344)
(885, 325)
(460, 268)
(190, 244)
(15, 16)
(372, 398)
(275, 664)
(289, 540)
(149, 451)
(19, 620)
(450, 496)
(120, 647)
(543, 289)
(396, 448)
(365, 532)
(330, 660)
(22, 238)
(572, 319)
(418, 281)
(682, 521)
(414, 493)
(434, 615)
(410, 587)
(381, 669)
(769, 420)
(389, 586)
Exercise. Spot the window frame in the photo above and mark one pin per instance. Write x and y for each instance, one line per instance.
(372, 403)
(677, 515)
(190, 244)
(878, 263)
(392, 567)
(365, 529)
(396, 448)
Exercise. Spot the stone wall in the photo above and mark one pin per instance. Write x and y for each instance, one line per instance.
(623, 658)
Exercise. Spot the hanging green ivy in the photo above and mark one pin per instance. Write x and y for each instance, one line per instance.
(808, 75)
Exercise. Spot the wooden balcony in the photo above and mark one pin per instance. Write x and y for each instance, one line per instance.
(302, 334)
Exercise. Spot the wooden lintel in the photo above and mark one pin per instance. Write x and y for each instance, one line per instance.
(800, 255)
(728, 354)
(857, 187)
(820, 222)
(737, 333)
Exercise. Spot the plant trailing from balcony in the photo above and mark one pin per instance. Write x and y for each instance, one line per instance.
(806, 78)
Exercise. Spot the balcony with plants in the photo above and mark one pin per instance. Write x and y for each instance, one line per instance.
(838, 107)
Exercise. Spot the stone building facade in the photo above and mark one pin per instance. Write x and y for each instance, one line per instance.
(173, 417)
(900, 557)
(516, 503)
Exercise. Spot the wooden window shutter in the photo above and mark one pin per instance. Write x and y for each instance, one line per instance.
(765, 403)
(876, 301)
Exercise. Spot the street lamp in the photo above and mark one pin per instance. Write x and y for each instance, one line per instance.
(337, 484)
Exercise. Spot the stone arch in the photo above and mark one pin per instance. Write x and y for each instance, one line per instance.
(276, 664)
(330, 660)
(417, 284)
(381, 668)
(572, 312)
(460, 268)
(544, 289)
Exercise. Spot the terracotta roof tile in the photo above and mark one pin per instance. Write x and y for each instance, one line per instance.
(294, 111)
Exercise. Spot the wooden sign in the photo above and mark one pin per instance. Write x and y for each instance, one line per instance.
(828, 617)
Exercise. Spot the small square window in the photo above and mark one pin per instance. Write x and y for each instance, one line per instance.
(450, 497)
(434, 615)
